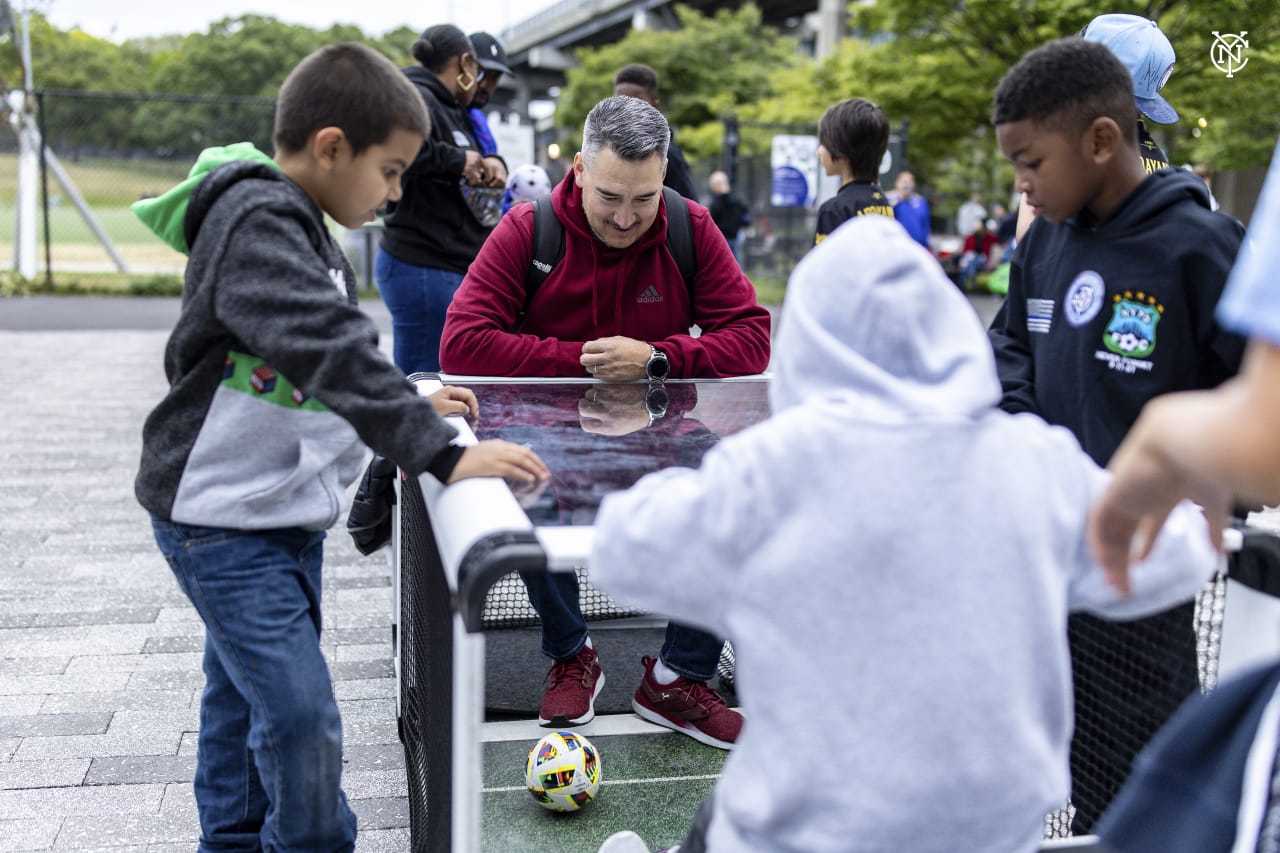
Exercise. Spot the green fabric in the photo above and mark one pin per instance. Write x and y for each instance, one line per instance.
(165, 214)
(998, 282)
(250, 375)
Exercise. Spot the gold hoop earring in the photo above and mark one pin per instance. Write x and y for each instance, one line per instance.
(466, 80)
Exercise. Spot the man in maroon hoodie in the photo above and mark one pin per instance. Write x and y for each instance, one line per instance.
(617, 308)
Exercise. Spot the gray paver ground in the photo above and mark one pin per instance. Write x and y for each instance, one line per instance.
(100, 652)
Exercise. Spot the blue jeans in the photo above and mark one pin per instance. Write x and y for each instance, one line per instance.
(269, 755)
(417, 298)
(688, 651)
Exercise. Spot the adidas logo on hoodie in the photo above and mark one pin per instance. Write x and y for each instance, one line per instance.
(650, 294)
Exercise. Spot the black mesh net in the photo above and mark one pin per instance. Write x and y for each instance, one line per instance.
(426, 677)
(507, 604)
(1129, 679)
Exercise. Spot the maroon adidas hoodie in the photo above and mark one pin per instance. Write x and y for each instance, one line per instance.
(595, 292)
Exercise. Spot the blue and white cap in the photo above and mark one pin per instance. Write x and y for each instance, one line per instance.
(1146, 52)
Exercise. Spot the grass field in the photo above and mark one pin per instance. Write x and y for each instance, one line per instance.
(109, 186)
(108, 183)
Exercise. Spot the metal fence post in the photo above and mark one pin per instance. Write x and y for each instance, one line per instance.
(44, 192)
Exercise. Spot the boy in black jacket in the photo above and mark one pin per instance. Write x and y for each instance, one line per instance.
(1111, 302)
(852, 138)
(276, 384)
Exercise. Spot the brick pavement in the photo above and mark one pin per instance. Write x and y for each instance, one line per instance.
(99, 651)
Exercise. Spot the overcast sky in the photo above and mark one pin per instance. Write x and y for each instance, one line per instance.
(118, 20)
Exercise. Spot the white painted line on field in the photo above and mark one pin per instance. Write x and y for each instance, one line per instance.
(602, 725)
(604, 782)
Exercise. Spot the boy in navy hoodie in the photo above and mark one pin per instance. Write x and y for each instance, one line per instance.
(1111, 302)
(276, 386)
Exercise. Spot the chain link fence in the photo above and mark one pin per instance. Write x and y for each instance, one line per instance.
(103, 151)
(778, 237)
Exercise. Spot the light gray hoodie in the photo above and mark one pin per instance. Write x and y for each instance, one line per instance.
(894, 560)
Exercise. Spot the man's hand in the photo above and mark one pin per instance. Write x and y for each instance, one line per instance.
(613, 409)
(495, 171)
(452, 400)
(496, 458)
(615, 359)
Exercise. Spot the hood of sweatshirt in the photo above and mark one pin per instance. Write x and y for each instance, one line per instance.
(166, 214)
(425, 80)
(870, 315)
(1157, 192)
(566, 200)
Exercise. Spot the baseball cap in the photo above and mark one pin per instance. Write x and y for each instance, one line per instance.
(1146, 52)
(489, 53)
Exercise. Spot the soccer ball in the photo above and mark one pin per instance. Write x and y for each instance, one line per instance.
(527, 183)
(563, 772)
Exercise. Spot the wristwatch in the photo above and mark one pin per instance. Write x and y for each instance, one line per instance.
(657, 368)
(656, 400)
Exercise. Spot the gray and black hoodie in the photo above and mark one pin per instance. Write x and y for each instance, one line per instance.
(276, 380)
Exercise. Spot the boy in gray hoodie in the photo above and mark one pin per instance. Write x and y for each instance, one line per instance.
(894, 559)
(276, 386)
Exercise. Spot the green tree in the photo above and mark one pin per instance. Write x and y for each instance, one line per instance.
(936, 64)
(709, 68)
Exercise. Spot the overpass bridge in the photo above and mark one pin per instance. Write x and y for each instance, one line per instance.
(540, 48)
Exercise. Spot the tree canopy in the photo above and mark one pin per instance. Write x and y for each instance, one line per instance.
(931, 63)
(709, 68)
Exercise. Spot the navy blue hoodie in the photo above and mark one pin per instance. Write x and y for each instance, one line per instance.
(1099, 319)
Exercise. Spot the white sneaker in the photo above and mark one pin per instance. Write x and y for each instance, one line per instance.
(624, 842)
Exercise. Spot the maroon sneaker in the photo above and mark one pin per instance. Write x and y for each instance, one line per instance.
(572, 688)
(689, 707)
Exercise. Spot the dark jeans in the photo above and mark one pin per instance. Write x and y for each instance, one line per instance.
(269, 754)
(417, 298)
(688, 651)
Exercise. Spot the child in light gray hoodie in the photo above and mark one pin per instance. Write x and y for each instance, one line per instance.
(894, 559)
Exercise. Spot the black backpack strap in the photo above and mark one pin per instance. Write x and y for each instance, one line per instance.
(548, 245)
(548, 249)
(680, 237)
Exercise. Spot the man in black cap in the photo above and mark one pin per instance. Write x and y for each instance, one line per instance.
(493, 64)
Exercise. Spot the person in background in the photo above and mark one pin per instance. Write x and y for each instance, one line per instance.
(493, 59)
(970, 214)
(852, 138)
(911, 209)
(729, 212)
(432, 233)
(977, 255)
(641, 81)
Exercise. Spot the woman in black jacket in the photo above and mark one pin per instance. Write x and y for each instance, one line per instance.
(432, 233)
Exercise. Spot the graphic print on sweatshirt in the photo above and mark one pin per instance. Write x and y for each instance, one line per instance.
(650, 295)
(1131, 334)
(267, 455)
(1039, 315)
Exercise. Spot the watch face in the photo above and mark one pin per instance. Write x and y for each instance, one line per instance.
(656, 400)
(658, 366)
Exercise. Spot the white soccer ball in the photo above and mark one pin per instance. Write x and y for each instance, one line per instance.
(563, 772)
(527, 183)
